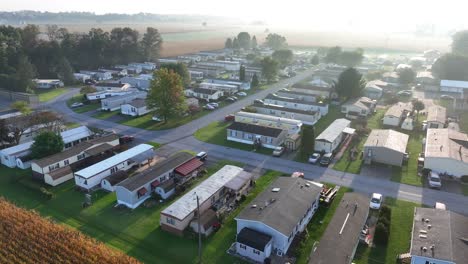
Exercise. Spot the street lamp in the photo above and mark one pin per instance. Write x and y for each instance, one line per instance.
(199, 231)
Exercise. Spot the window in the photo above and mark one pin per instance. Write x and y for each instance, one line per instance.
(256, 252)
(213, 200)
(270, 140)
(66, 162)
(54, 167)
(81, 156)
(113, 170)
(249, 136)
(363, 112)
(163, 178)
(242, 246)
(170, 221)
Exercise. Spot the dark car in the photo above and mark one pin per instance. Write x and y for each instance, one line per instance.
(126, 139)
(90, 81)
(229, 118)
(326, 159)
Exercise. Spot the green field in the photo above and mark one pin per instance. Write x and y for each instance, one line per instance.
(49, 94)
(215, 133)
(135, 232)
(400, 236)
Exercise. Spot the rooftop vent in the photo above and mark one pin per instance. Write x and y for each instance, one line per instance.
(427, 220)
(423, 231)
(424, 249)
(254, 206)
(275, 189)
(272, 200)
(422, 236)
(307, 184)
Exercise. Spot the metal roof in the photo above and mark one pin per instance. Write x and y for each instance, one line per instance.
(452, 83)
(17, 149)
(112, 161)
(387, 138)
(189, 166)
(75, 134)
(436, 113)
(334, 130)
(185, 205)
(446, 143)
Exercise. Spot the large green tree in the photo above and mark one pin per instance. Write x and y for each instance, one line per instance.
(333, 55)
(228, 43)
(276, 41)
(45, 144)
(254, 43)
(451, 67)
(406, 76)
(24, 74)
(65, 71)
(315, 60)
(166, 95)
(181, 69)
(242, 73)
(351, 58)
(244, 40)
(350, 84)
(284, 56)
(151, 44)
(255, 82)
(460, 43)
(269, 69)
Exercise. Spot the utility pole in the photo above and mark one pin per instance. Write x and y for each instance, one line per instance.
(199, 231)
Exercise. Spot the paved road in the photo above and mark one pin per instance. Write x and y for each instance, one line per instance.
(181, 138)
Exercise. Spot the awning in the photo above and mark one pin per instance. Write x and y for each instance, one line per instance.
(142, 191)
(155, 183)
(188, 167)
(349, 130)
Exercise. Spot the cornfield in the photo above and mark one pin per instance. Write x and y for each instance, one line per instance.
(26, 237)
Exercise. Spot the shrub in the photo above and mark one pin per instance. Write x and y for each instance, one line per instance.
(385, 212)
(464, 178)
(49, 195)
(381, 234)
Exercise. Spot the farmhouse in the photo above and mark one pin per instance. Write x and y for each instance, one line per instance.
(272, 220)
(92, 176)
(17, 156)
(358, 108)
(269, 137)
(306, 117)
(206, 94)
(211, 193)
(385, 146)
(296, 103)
(438, 237)
(397, 113)
(436, 116)
(58, 168)
(446, 151)
(136, 189)
(136, 107)
(341, 238)
(329, 140)
(115, 102)
(48, 84)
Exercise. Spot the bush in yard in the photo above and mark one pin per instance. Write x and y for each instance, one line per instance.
(381, 234)
(385, 212)
(250, 109)
(49, 195)
(464, 178)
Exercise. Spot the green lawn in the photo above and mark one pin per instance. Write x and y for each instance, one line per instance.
(154, 144)
(135, 232)
(400, 236)
(82, 109)
(318, 224)
(408, 173)
(215, 133)
(106, 114)
(464, 122)
(334, 112)
(354, 166)
(49, 94)
(465, 189)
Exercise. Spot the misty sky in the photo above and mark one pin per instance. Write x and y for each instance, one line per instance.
(360, 15)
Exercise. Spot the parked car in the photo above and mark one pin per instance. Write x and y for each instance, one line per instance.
(156, 118)
(77, 104)
(314, 158)
(434, 180)
(376, 201)
(202, 156)
(235, 98)
(242, 94)
(229, 118)
(215, 105)
(208, 107)
(447, 97)
(230, 99)
(424, 125)
(404, 93)
(90, 82)
(326, 159)
(278, 151)
(258, 101)
(126, 139)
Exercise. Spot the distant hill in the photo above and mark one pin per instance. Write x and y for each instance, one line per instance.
(36, 17)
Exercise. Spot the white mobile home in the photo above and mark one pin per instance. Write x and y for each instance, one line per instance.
(385, 146)
(136, 107)
(296, 103)
(48, 84)
(306, 117)
(333, 135)
(76, 135)
(206, 94)
(92, 176)
(396, 114)
(436, 116)
(12, 156)
(115, 102)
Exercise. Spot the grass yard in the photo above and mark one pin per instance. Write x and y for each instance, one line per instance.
(400, 236)
(334, 112)
(106, 114)
(135, 232)
(318, 225)
(408, 174)
(464, 123)
(354, 166)
(465, 189)
(82, 109)
(154, 144)
(215, 133)
(49, 94)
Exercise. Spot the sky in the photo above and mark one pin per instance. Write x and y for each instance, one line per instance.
(359, 15)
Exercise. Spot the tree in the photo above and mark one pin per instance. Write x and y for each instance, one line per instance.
(381, 234)
(49, 121)
(254, 43)
(181, 69)
(22, 107)
(151, 44)
(52, 32)
(406, 76)
(460, 43)
(244, 40)
(269, 69)
(24, 74)
(255, 83)
(45, 144)
(451, 67)
(228, 43)
(284, 57)
(65, 72)
(29, 37)
(242, 73)
(166, 95)
(193, 109)
(315, 60)
(350, 84)
(5, 133)
(351, 58)
(235, 44)
(417, 106)
(87, 90)
(333, 55)
(275, 41)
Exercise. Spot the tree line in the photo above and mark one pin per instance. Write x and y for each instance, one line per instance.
(454, 65)
(25, 53)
